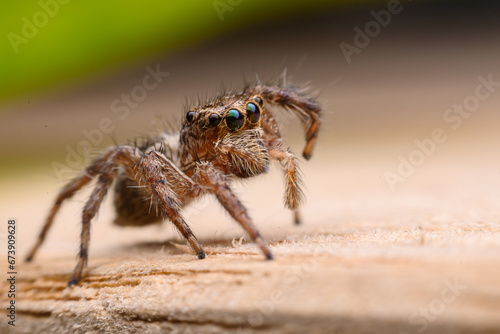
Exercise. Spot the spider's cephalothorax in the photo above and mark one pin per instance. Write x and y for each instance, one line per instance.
(228, 133)
(232, 136)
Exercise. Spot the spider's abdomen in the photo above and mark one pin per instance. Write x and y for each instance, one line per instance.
(133, 205)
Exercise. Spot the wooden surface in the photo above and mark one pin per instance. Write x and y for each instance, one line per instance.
(359, 263)
(423, 257)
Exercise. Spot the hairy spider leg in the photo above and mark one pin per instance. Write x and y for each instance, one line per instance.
(148, 167)
(156, 171)
(144, 166)
(213, 180)
(89, 211)
(66, 193)
(304, 107)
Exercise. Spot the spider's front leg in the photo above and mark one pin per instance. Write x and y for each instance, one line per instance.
(306, 108)
(170, 187)
(215, 182)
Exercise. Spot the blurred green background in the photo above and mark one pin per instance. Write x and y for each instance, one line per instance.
(64, 64)
(49, 43)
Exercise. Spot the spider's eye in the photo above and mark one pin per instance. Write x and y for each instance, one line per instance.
(253, 112)
(213, 119)
(234, 119)
(189, 116)
(259, 101)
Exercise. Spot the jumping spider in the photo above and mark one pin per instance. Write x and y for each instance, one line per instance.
(232, 136)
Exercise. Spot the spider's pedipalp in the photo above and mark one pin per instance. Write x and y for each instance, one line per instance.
(245, 153)
(293, 192)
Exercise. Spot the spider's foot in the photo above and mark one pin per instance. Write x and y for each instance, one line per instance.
(296, 217)
(201, 255)
(72, 281)
(267, 252)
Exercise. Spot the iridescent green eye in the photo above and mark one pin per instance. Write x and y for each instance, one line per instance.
(253, 112)
(189, 116)
(234, 119)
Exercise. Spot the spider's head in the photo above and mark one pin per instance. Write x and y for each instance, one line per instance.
(227, 129)
(227, 115)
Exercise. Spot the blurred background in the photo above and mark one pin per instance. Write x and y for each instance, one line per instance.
(78, 76)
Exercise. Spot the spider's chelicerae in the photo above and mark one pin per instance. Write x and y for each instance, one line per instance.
(232, 136)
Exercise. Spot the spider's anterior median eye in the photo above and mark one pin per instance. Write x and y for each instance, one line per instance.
(189, 116)
(234, 119)
(253, 112)
(213, 119)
